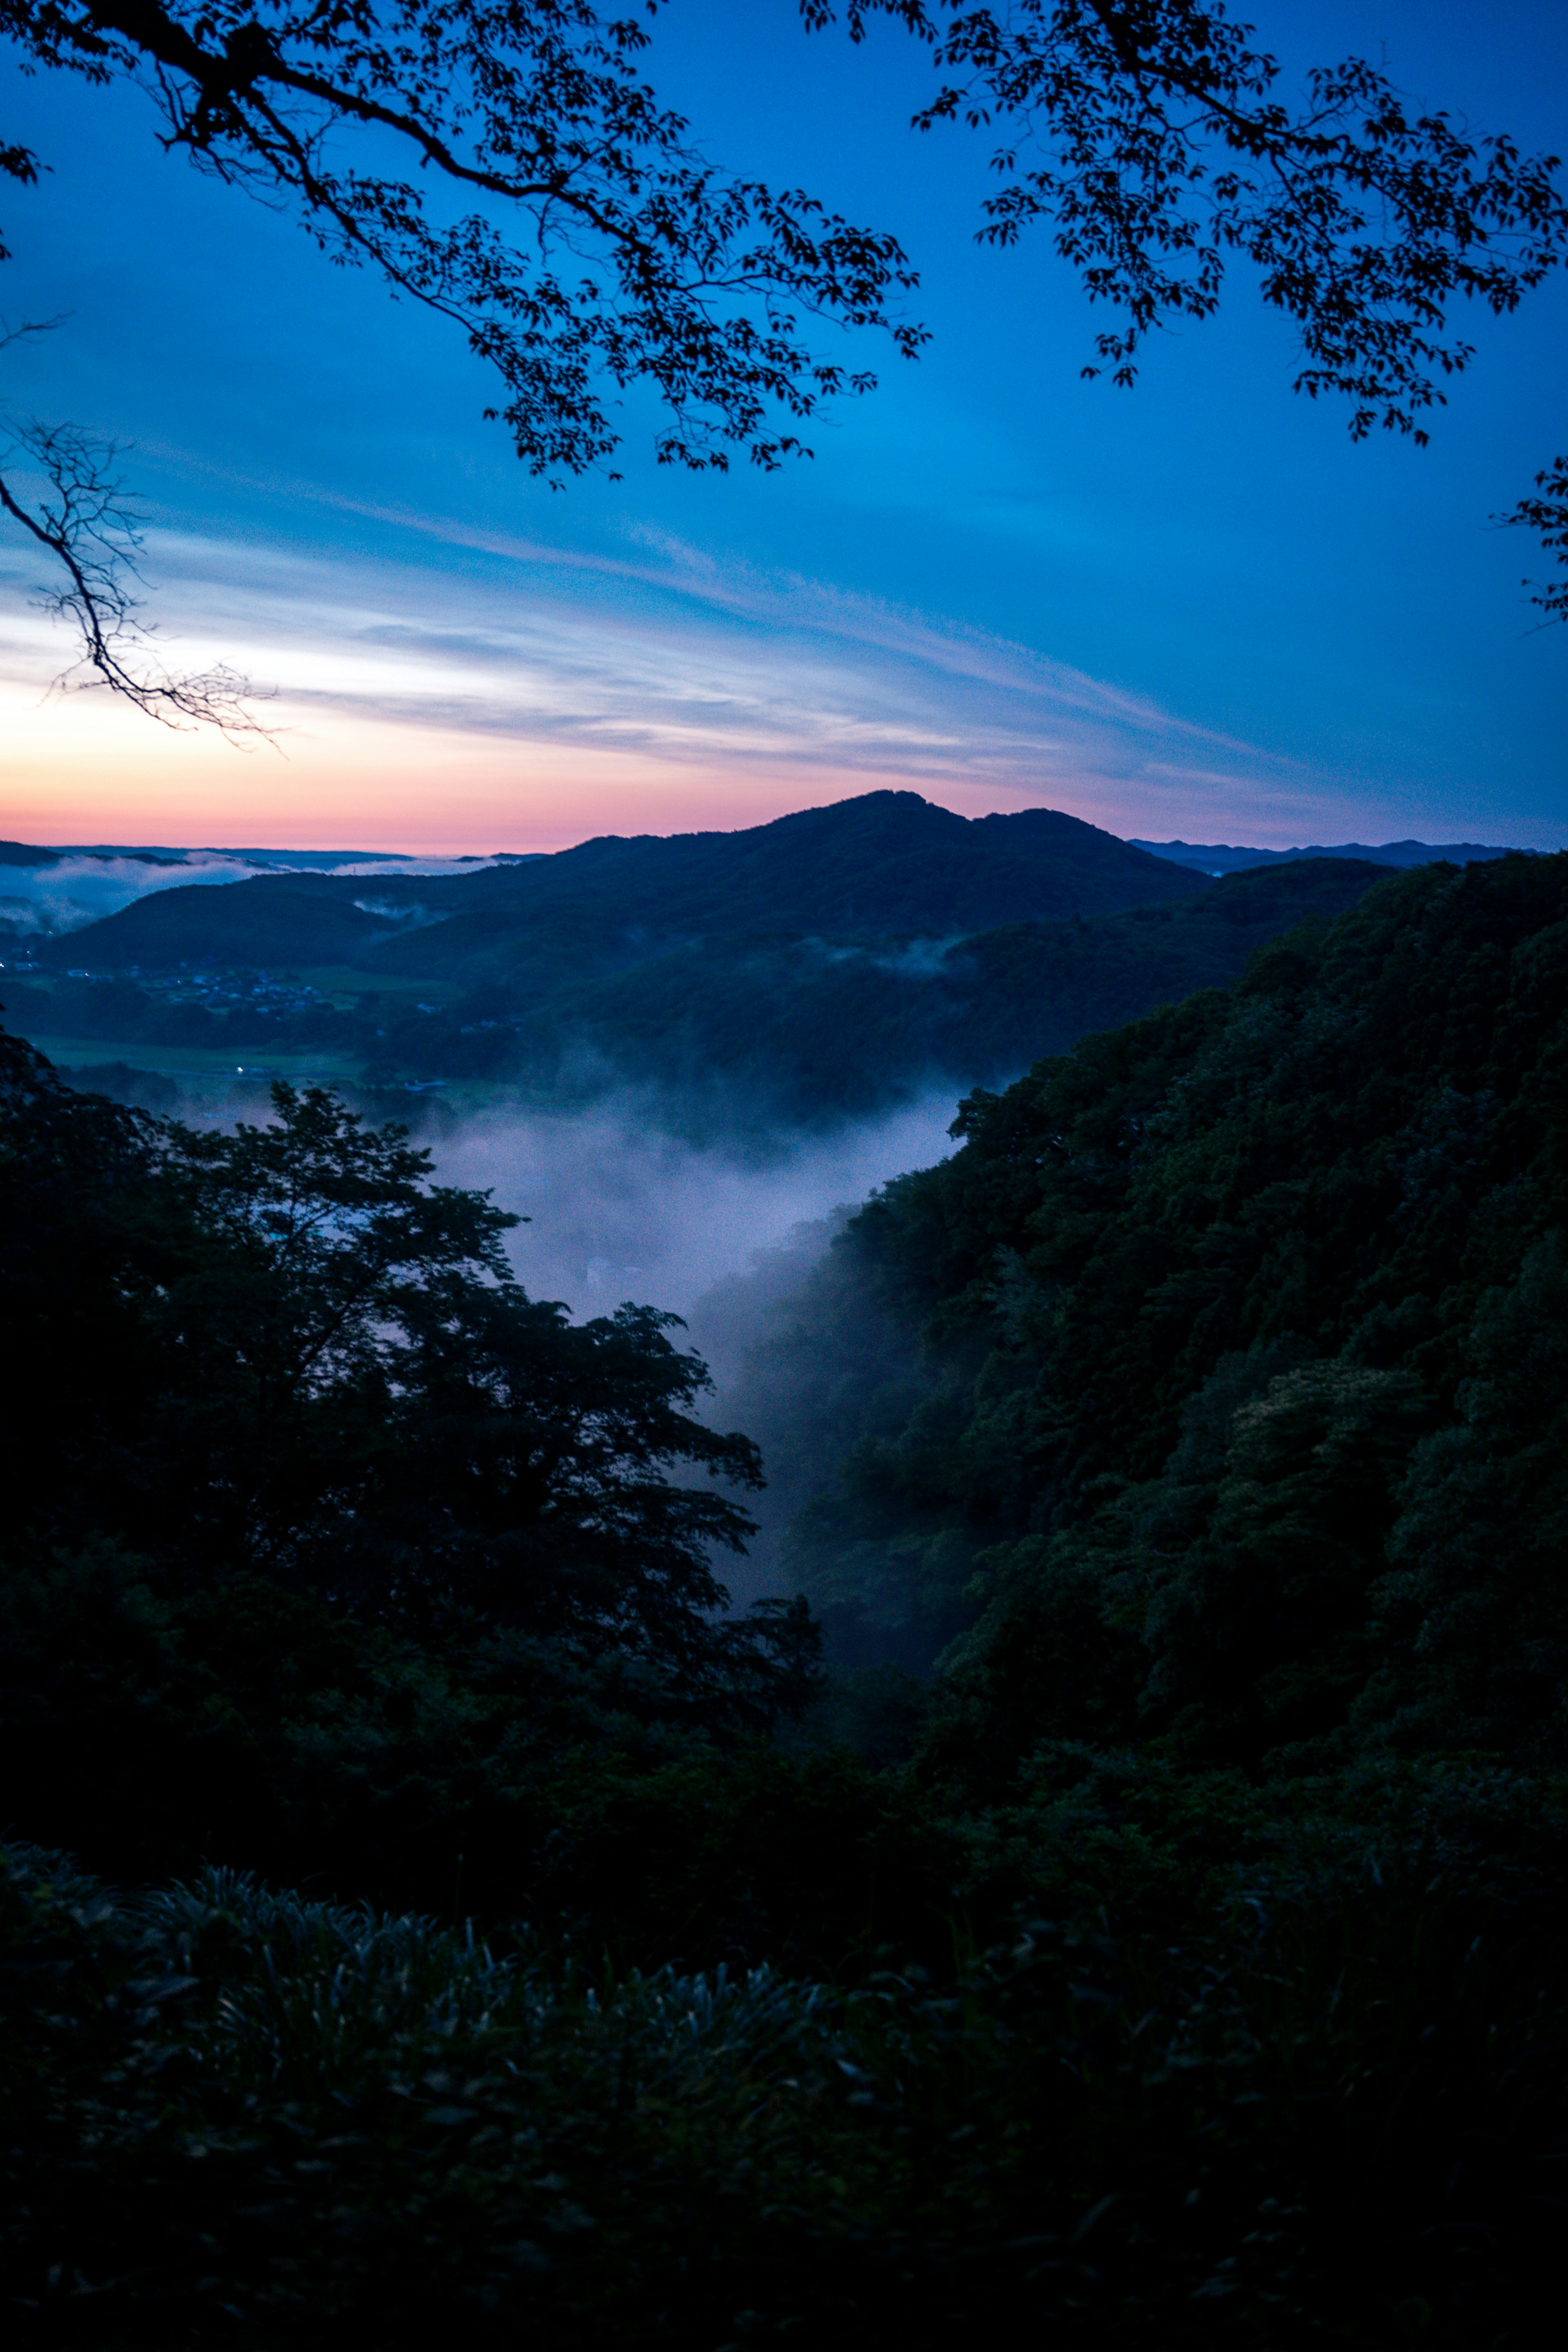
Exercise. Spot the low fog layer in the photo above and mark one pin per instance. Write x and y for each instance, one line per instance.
(79, 889)
(729, 1238)
(619, 1209)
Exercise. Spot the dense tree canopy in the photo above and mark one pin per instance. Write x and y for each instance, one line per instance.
(281, 1350)
(1242, 1392)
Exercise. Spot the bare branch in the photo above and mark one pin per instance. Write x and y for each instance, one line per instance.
(91, 528)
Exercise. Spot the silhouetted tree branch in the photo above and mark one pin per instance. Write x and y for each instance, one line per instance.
(595, 245)
(1548, 514)
(1151, 139)
(563, 219)
(86, 522)
(599, 246)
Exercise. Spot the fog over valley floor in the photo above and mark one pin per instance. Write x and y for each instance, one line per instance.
(45, 892)
(786, 1539)
(621, 1208)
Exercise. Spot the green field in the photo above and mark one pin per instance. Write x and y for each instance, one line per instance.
(346, 985)
(214, 1081)
(195, 1062)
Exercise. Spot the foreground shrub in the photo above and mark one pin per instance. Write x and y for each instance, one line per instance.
(1332, 2111)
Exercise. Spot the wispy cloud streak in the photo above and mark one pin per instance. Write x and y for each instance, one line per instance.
(671, 657)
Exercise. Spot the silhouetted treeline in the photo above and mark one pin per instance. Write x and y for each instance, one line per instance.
(321, 1528)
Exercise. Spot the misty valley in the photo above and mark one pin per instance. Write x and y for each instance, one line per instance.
(805, 1583)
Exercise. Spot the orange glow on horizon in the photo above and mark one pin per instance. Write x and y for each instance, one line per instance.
(81, 769)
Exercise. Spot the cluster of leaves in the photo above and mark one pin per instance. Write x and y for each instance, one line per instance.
(1546, 514)
(1152, 137)
(594, 240)
(1163, 149)
(547, 205)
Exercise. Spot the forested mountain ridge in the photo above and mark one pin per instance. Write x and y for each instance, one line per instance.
(885, 863)
(1240, 1415)
(805, 1026)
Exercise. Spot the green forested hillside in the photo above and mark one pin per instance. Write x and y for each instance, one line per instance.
(549, 1954)
(1239, 1417)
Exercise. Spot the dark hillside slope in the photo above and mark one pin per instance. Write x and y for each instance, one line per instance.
(802, 1026)
(736, 1031)
(1248, 1377)
(330, 1560)
(886, 863)
(289, 919)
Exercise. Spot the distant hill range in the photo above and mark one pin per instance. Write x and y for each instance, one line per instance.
(325, 861)
(812, 969)
(887, 864)
(1216, 857)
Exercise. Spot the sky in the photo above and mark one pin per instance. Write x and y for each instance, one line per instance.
(1191, 611)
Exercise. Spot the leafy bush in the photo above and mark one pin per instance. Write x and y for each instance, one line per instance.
(1333, 2103)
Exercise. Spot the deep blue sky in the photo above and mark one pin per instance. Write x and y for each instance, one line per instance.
(1191, 610)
